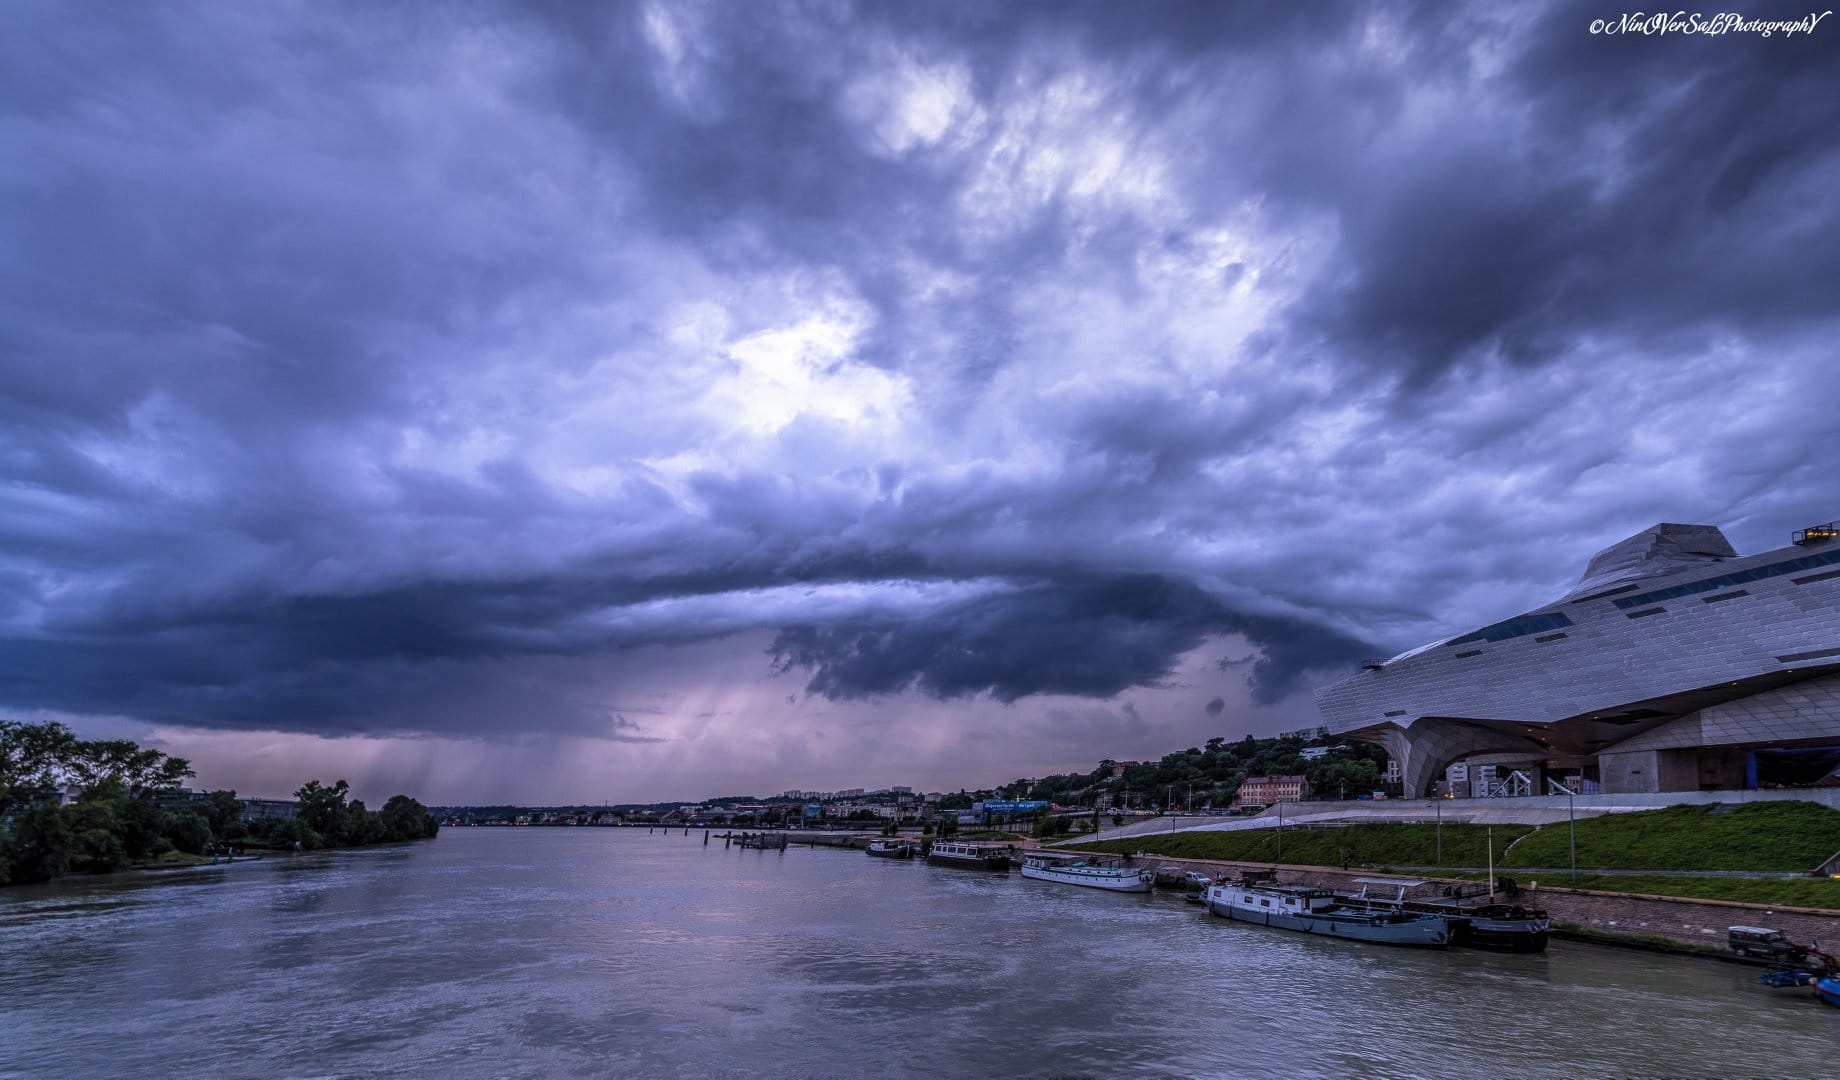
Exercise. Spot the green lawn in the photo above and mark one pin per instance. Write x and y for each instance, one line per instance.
(1821, 893)
(1361, 845)
(1756, 836)
(1778, 836)
(175, 858)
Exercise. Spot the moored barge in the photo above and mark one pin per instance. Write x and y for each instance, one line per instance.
(1476, 920)
(1318, 911)
(1075, 870)
(969, 856)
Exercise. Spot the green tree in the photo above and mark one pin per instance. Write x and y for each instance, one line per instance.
(1048, 824)
(406, 819)
(322, 809)
(360, 826)
(223, 811)
(96, 828)
(122, 763)
(291, 833)
(187, 829)
(33, 762)
(41, 844)
(1333, 778)
(140, 823)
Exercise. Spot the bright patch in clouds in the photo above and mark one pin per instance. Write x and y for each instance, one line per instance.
(600, 401)
(808, 368)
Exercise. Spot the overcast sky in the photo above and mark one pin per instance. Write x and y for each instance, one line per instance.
(619, 401)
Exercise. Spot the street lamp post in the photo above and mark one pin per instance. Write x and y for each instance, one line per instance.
(1572, 811)
(1440, 832)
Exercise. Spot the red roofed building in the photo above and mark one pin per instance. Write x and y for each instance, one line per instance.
(1266, 790)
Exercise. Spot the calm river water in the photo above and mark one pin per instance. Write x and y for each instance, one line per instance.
(618, 952)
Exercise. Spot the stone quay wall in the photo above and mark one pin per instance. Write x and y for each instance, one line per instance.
(1689, 923)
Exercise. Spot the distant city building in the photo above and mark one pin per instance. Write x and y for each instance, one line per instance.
(1270, 790)
(269, 809)
(1008, 809)
(1675, 664)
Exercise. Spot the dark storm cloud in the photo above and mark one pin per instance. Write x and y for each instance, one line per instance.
(1677, 188)
(1087, 636)
(366, 371)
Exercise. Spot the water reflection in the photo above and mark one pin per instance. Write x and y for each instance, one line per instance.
(607, 952)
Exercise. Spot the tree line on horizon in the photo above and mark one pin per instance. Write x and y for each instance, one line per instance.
(1207, 776)
(125, 809)
(1198, 776)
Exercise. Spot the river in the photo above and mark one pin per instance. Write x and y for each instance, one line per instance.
(620, 952)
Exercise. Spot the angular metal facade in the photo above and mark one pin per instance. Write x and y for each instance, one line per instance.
(1670, 654)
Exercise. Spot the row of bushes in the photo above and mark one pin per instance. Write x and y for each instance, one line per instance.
(127, 812)
(107, 829)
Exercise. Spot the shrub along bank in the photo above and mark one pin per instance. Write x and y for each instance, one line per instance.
(126, 811)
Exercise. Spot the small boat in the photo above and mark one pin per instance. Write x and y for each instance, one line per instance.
(1076, 870)
(1195, 886)
(1783, 977)
(890, 849)
(1169, 877)
(763, 842)
(1308, 910)
(1509, 927)
(1475, 919)
(969, 856)
(1828, 989)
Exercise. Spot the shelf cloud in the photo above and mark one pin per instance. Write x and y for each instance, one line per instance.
(788, 376)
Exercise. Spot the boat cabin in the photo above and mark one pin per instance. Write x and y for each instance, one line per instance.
(969, 849)
(1280, 900)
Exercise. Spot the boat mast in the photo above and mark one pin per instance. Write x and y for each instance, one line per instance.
(1491, 862)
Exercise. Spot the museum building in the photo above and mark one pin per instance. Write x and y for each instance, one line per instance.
(1675, 664)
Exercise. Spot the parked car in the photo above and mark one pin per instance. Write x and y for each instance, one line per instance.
(1764, 942)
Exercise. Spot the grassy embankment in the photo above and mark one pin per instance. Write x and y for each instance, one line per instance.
(1784, 836)
(1362, 845)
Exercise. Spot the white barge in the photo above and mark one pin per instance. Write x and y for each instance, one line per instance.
(1319, 911)
(1071, 869)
